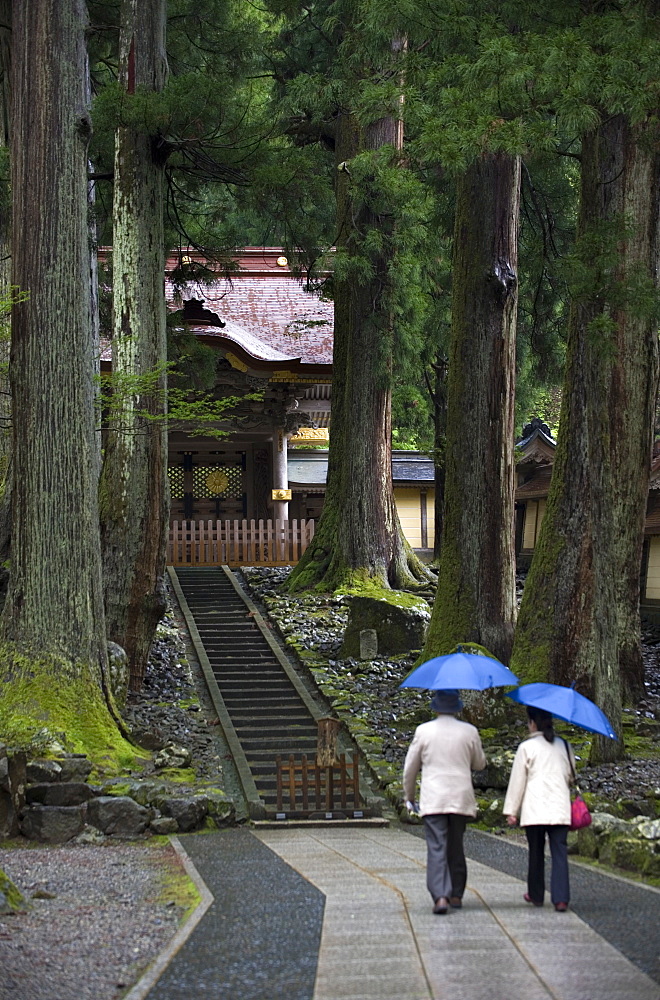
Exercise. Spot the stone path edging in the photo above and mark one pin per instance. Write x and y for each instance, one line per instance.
(147, 981)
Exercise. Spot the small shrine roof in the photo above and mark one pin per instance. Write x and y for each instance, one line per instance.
(537, 445)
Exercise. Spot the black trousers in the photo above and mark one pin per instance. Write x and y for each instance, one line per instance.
(456, 853)
(559, 887)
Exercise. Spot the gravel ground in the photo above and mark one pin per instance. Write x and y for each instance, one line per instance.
(97, 917)
(104, 914)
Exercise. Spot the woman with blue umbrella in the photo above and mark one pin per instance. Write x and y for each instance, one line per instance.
(541, 776)
(539, 793)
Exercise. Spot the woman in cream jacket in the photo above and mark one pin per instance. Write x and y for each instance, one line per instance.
(539, 794)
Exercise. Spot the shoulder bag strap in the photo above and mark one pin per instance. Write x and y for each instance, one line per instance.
(569, 760)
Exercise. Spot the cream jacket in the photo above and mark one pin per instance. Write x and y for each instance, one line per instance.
(539, 786)
(447, 752)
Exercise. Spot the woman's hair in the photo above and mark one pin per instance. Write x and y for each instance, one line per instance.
(543, 722)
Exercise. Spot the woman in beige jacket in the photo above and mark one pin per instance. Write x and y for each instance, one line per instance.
(539, 794)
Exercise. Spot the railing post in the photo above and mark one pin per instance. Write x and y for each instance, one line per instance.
(326, 741)
(278, 767)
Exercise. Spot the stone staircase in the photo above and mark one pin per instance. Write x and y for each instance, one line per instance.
(268, 711)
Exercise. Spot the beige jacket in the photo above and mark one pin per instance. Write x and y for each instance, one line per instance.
(539, 786)
(447, 752)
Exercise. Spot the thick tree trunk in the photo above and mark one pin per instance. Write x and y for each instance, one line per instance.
(359, 539)
(475, 600)
(5, 295)
(53, 658)
(579, 620)
(134, 497)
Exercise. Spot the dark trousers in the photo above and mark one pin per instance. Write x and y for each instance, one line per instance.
(456, 853)
(446, 868)
(559, 888)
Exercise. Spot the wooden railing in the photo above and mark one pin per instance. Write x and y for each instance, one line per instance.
(238, 543)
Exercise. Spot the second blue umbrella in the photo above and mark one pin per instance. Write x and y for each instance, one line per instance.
(567, 704)
(460, 670)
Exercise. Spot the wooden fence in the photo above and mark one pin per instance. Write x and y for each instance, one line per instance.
(238, 543)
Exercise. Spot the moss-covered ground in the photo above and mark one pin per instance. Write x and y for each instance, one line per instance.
(177, 888)
(49, 707)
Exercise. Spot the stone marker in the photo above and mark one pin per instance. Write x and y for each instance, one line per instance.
(368, 643)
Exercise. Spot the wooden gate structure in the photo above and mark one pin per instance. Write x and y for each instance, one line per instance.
(238, 543)
(309, 790)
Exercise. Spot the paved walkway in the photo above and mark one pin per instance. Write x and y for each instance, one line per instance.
(360, 919)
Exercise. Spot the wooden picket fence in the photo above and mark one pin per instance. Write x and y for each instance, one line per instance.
(238, 543)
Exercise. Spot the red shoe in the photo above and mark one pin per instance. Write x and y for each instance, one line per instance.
(561, 907)
(528, 899)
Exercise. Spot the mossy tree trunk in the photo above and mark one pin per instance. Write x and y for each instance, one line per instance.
(475, 600)
(53, 627)
(359, 540)
(5, 291)
(134, 497)
(579, 619)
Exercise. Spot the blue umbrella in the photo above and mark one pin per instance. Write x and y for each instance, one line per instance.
(566, 704)
(460, 670)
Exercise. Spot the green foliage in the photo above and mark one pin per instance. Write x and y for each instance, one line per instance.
(146, 395)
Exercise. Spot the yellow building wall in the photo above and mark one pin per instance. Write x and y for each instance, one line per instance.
(534, 513)
(430, 517)
(409, 509)
(653, 570)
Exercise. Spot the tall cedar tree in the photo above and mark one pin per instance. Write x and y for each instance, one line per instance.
(5, 291)
(579, 619)
(134, 494)
(475, 600)
(359, 539)
(53, 658)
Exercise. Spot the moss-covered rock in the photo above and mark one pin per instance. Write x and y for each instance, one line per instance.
(625, 852)
(11, 899)
(588, 844)
(489, 812)
(496, 773)
(399, 620)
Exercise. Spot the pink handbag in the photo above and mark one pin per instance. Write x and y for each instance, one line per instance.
(580, 815)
